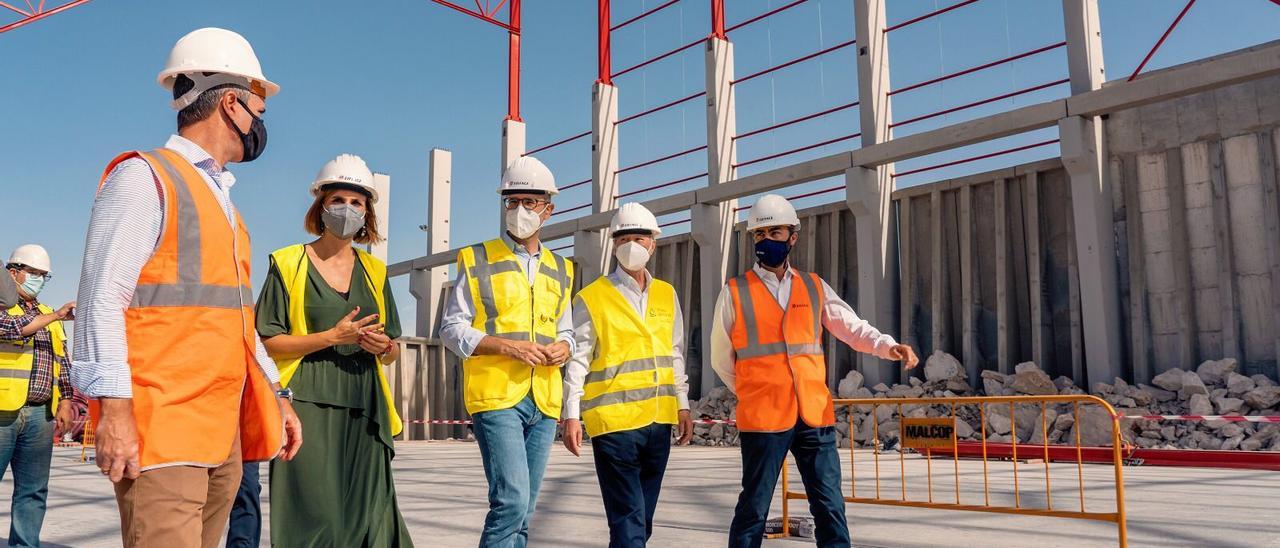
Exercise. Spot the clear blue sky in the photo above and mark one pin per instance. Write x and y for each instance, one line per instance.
(390, 80)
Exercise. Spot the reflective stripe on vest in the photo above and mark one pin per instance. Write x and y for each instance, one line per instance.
(780, 366)
(754, 348)
(630, 383)
(189, 289)
(197, 385)
(17, 360)
(508, 307)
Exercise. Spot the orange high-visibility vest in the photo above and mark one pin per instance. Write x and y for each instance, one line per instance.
(190, 330)
(780, 371)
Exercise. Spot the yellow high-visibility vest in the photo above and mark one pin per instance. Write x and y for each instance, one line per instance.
(509, 308)
(18, 357)
(631, 383)
(293, 264)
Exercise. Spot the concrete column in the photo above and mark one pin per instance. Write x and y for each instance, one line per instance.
(591, 249)
(382, 183)
(427, 285)
(1095, 247)
(1084, 153)
(869, 191)
(513, 144)
(712, 225)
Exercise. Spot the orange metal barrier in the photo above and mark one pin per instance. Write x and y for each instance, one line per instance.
(87, 441)
(1039, 450)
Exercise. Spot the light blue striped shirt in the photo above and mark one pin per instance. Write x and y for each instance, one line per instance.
(124, 231)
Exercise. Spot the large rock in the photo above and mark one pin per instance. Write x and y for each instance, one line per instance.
(1263, 397)
(1239, 385)
(1031, 380)
(850, 384)
(1159, 394)
(1216, 371)
(942, 366)
(1170, 380)
(1191, 384)
(963, 429)
(1094, 427)
(1200, 405)
(992, 387)
(998, 424)
(1228, 405)
(1262, 380)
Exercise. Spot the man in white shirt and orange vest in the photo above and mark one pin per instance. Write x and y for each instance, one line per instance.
(165, 343)
(626, 380)
(766, 345)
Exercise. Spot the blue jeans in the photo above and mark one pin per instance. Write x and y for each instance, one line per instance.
(816, 457)
(245, 526)
(26, 444)
(630, 465)
(514, 445)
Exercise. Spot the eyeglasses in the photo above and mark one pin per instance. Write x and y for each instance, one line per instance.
(528, 203)
(31, 271)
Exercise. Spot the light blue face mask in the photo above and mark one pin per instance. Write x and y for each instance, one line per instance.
(33, 285)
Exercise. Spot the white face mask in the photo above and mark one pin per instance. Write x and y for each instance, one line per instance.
(523, 223)
(632, 256)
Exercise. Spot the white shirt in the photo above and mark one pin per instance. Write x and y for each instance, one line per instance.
(575, 371)
(124, 231)
(838, 318)
(456, 330)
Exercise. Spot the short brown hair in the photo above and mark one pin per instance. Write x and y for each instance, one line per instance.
(314, 223)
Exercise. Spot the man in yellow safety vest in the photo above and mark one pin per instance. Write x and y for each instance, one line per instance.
(508, 319)
(35, 391)
(626, 380)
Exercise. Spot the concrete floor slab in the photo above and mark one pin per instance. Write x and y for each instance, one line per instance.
(442, 494)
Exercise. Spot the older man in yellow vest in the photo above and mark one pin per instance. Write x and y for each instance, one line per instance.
(35, 391)
(508, 319)
(626, 380)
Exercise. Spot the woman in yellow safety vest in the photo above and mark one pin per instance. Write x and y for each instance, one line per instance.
(327, 317)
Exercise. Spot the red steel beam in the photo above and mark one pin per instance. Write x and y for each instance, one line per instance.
(773, 12)
(645, 14)
(604, 47)
(557, 143)
(931, 14)
(514, 26)
(39, 14)
(971, 70)
(801, 149)
(976, 158)
(717, 20)
(660, 57)
(661, 107)
(794, 61)
(979, 103)
(662, 159)
(682, 221)
(1163, 37)
(574, 185)
(817, 193)
(800, 119)
(513, 64)
(663, 185)
(572, 209)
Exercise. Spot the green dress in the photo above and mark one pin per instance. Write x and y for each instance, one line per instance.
(338, 490)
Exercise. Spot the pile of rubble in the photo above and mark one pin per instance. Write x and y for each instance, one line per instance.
(1214, 388)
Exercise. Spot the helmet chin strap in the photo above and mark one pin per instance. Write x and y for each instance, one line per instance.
(205, 83)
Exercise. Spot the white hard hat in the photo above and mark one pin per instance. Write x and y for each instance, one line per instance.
(346, 169)
(633, 217)
(527, 174)
(31, 255)
(772, 210)
(218, 51)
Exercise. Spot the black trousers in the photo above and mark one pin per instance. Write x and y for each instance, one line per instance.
(816, 457)
(630, 465)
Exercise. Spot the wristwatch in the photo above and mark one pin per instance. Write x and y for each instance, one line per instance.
(285, 393)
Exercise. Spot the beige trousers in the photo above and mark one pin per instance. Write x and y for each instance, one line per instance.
(179, 506)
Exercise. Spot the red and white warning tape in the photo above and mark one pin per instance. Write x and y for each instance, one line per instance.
(464, 422)
(1228, 418)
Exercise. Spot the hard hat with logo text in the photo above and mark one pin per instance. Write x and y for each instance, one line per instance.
(772, 210)
(349, 170)
(633, 218)
(526, 175)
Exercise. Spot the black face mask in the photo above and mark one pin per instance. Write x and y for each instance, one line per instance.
(255, 141)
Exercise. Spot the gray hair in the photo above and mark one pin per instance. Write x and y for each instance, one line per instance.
(206, 103)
